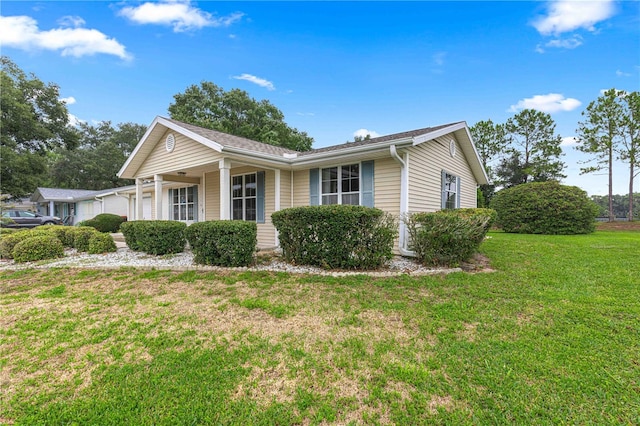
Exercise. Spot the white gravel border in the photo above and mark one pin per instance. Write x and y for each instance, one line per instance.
(184, 262)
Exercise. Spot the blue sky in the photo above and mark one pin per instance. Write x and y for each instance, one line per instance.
(335, 68)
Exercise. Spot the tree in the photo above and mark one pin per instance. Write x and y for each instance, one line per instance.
(630, 133)
(95, 163)
(236, 113)
(599, 135)
(33, 121)
(533, 150)
(490, 140)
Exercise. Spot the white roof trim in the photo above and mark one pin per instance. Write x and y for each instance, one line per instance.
(417, 140)
(172, 126)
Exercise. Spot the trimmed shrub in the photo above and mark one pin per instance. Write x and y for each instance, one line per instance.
(155, 236)
(223, 242)
(81, 236)
(128, 230)
(105, 222)
(101, 243)
(9, 241)
(38, 248)
(7, 231)
(336, 236)
(448, 237)
(545, 208)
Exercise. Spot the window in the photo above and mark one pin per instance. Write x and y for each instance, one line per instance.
(183, 203)
(341, 185)
(244, 192)
(450, 191)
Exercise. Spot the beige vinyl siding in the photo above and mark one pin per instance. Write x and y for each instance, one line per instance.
(187, 153)
(426, 162)
(386, 189)
(285, 189)
(300, 188)
(212, 196)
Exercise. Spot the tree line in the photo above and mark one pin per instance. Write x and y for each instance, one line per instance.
(39, 146)
(527, 149)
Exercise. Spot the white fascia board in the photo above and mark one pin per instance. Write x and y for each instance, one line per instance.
(323, 156)
(169, 125)
(417, 140)
(475, 154)
(177, 128)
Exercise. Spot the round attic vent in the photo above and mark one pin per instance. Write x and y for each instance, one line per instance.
(170, 142)
(452, 148)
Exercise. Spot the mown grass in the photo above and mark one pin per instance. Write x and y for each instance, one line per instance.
(552, 336)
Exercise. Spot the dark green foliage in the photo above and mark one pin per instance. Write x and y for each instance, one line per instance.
(223, 242)
(38, 248)
(154, 236)
(9, 241)
(81, 236)
(545, 208)
(105, 222)
(336, 236)
(101, 243)
(236, 113)
(448, 237)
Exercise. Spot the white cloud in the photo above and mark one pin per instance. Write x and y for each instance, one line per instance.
(364, 132)
(74, 121)
(256, 80)
(180, 15)
(69, 101)
(569, 15)
(305, 114)
(622, 74)
(567, 43)
(22, 32)
(553, 102)
(71, 21)
(569, 141)
(438, 58)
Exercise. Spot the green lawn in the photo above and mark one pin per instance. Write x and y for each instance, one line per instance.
(552, 336)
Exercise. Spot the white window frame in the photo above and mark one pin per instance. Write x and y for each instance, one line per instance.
(451, 181)
(244, 197)
(340, 193)
(186, 203)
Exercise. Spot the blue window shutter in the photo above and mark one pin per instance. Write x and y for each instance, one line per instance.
(195, 203)
(170, 205)
(443, 193)
(260, 198)
(459, 185)
(367, 183)
(314, 189)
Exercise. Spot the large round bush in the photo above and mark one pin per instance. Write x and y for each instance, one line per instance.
(105, 222)
(545, 208)
(38, 248)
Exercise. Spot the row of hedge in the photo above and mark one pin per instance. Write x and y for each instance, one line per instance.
(332, 237)
(49, 242)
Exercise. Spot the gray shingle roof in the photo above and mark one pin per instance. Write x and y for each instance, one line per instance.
(386, 138)
(225, 140)
(58, 194)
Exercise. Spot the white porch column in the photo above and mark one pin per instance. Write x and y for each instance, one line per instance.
(139, 199)
(225, 189)
(157, 179)
(52, 208)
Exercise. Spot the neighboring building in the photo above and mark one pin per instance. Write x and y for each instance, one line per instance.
(200, 174)
(75, 205)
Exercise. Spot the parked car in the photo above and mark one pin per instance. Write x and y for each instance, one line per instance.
(26, 219)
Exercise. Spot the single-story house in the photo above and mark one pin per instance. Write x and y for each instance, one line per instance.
(201, 174)
(75, 205)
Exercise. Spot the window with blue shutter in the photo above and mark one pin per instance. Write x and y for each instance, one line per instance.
(248, 197)
(314, 190)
